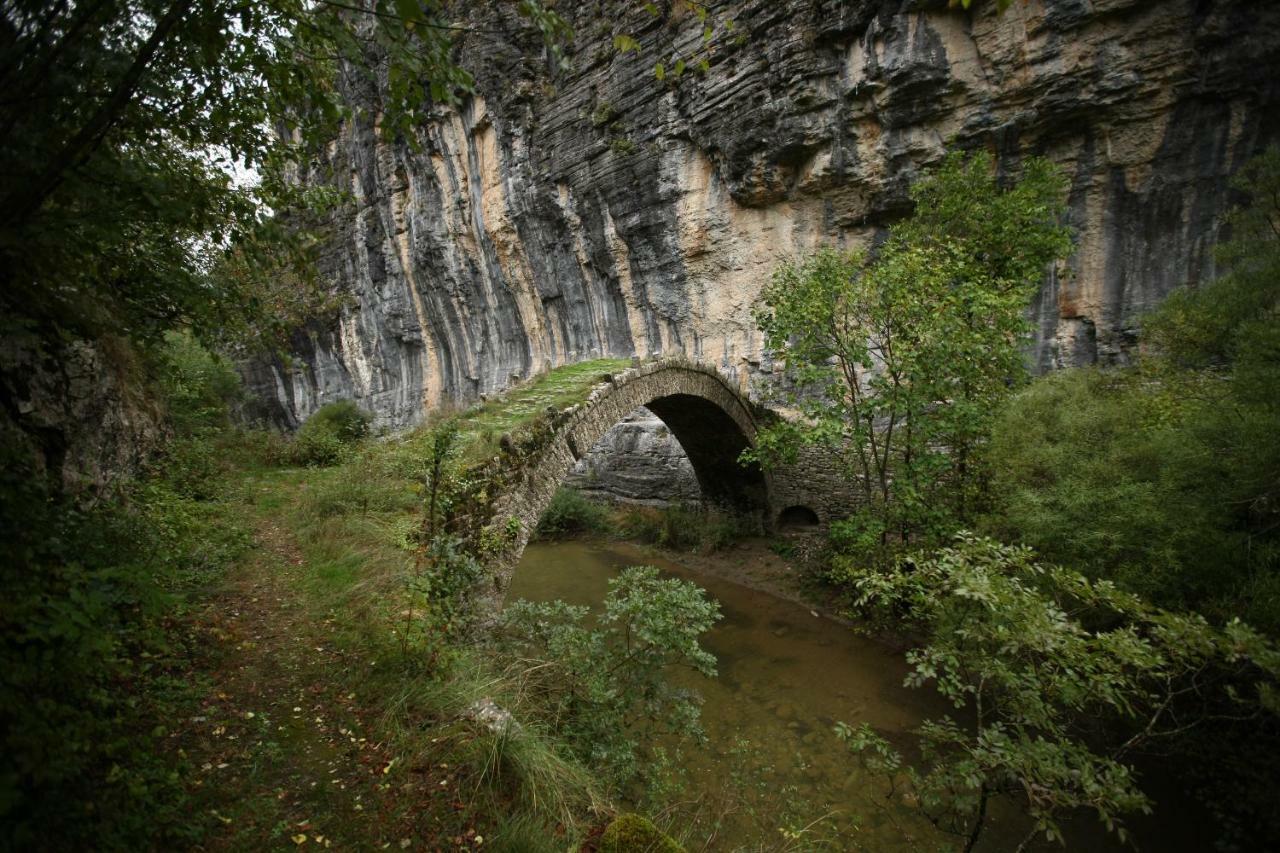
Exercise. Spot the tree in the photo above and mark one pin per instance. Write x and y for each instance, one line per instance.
(121, 123)
(1059, 681)
(606, 689)
(1166, 477)
(901, 357)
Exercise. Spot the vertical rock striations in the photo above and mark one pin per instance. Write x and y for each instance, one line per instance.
(557, 216)
(638, 461)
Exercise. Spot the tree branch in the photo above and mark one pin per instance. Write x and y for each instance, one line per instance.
(23, 203)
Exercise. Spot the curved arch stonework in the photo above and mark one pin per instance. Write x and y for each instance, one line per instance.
(712, 420)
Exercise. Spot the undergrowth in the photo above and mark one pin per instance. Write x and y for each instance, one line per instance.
(105, 660)
(94, 655)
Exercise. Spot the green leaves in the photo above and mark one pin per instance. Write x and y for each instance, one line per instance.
(902, 357)
(127, 221)
(1036, 655)
(606, 689)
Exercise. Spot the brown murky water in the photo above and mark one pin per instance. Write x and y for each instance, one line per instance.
(773, 776)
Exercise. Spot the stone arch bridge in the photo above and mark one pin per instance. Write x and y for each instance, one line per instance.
(710, 417)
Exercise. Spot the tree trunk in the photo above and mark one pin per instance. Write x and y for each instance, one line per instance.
(979, 821)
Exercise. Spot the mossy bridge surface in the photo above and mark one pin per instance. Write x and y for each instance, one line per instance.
(712, 418)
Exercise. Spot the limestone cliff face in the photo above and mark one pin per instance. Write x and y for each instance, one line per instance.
(562, 215)
(638, 461)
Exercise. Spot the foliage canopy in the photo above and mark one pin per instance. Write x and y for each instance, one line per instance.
(1165, 477)
(124, 122)
(901, 357)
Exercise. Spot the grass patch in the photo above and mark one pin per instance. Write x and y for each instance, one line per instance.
(482, 426)
(347, 573)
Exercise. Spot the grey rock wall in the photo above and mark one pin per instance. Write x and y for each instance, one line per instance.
(638, 461)
(77, 412)
(561, 215)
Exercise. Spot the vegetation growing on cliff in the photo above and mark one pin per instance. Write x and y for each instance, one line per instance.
(1166, 476)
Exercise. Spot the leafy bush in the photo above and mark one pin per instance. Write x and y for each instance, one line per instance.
(682, 527)
(327, 436)
(604, 690)
(194, 467)
(198, 386)
(86, 656)
(570, 514)
(1167, 478)
(860, 541)
(1038, 656)
(89, 662)
(343, 418)
(442, 601)
(260, 447)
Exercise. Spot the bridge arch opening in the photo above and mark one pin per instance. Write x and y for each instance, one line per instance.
(710, 418)
(797, 517)
(638, 461)
(713, 442)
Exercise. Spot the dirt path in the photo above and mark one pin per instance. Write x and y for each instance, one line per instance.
(284, 750)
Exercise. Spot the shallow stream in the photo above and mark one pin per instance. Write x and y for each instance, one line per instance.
(772, 765)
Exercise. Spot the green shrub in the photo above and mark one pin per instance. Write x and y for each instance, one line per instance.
(193, 466)
(783, 548)
(603, 114)
(1037, 656)
(721, 530)
(683, 527)
(443, 607)
(317, 448)
(89, 678)
(327, 436)
(343, 418)
(1159, 484)
(198, 387)
(1166, 478)
(675, 526)
(605, 690)
(570, 514)
(260, 447)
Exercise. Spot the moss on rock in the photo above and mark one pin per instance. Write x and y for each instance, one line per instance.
(633, 833)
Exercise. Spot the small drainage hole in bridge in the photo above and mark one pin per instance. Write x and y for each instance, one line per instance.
(797, 517)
